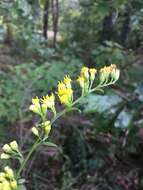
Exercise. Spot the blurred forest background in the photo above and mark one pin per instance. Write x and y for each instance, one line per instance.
(40, 42)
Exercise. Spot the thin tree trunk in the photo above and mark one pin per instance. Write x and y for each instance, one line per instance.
(107, 31)
(55, 15)
(126, 26)
(46, 19)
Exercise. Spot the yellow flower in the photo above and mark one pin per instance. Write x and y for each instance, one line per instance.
(2, 176)
(81, 81)
(35, 101)
(1, 186)
(109, 71)
(65, 92)
(85, 72)
(48, 102)
(86, 78)
(67, 81)
(115, 73)
(35, 106)
(9, 172)
(13, 184)
(61, 86)
(7, 179)
(92, 72)
(6, 185)
(64, 99)
(104, 74)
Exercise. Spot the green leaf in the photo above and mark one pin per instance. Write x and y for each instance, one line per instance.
(21, 187)
(49, 144)
(101, 103)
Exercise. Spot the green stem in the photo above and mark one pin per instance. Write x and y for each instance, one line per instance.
(35, 145)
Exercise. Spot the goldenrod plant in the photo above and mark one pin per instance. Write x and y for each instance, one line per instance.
(108, 75)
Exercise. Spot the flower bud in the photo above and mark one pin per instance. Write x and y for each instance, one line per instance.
(13, 184)
(1, 186)
(6, 148)
(9, 172)
(47, 128)
(81, 81)
(2, 176)
(85, 72)
(6, 185)
(67, 81)
(5, 156)
(35, 131)
(35, 106)
(117, 74)
(92, 72)
(34, 109)
(44, 109)
(14, 146)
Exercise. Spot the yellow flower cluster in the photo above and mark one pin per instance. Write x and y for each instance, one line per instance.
(109, 72)
(65, 92)
(7, 179)
(10, 150)
(40, 105)
(42, 131)
(48, 101)
(86, 79)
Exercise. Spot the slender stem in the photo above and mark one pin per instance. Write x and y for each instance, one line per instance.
(35, 145)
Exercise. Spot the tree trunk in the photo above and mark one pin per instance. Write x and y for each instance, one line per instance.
(46, 19)
(107, 28)
(55, 16)
(126, 27)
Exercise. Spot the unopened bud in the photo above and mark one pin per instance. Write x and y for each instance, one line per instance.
(35, 131)
(13, 184)
(5, 156)
(6, 148)
(14, 145)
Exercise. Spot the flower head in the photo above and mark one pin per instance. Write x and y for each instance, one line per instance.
(35, 106)
(85, 72)
(7, 179)
(115, 72)
(109, 72)
(65, 92)
(10, 150)
(14, 146)
(67, 81)
(81, 81)
(4, 156)
(92, 72)
(6, 148)
(35, 131)
(48, 102)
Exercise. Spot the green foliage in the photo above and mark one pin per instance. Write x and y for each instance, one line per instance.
(23, 81)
